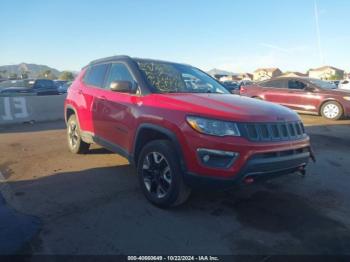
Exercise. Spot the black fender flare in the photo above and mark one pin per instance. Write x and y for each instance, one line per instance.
(168, 133)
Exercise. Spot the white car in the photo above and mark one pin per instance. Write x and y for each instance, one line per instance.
(345, 84)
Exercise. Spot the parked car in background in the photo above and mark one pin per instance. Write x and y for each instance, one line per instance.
(28, 87)
(181, 127)
(231, 86)
(245, 83)
(62, 86)
(305, 95)
(345, 84)
(335, 82)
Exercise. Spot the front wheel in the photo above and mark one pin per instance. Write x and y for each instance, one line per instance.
(332, 110)
(160, 176)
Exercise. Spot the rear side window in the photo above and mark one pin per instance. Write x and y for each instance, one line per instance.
(44, 84)
(95, 75)
(295, 84)
(274, 84)
(119, 72)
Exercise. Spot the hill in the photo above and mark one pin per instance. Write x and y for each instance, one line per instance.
(33, 70)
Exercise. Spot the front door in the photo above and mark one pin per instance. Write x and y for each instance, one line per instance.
(300, 98)
(115, 109)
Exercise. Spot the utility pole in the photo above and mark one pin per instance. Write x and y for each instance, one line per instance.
(318, 32)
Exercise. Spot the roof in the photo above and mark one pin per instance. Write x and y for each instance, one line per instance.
(125, 58)
(271, 69)
(110, 58)
(326, 67)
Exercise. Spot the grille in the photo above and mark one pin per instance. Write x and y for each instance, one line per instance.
(264, 132)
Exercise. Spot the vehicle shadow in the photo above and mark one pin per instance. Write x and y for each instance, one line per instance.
(89, 208)
(33, 127)
(103, 211)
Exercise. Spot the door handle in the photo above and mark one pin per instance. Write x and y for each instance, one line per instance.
(103, 98)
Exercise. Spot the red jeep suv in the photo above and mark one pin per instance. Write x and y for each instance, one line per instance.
(180, 127)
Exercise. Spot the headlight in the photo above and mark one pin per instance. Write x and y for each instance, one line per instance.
(347, 98)
(213, 127)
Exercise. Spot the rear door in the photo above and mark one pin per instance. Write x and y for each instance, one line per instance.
(275, 91)
(90, 91)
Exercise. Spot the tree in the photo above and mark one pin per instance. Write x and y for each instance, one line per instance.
(3, 73)
(67, 76)
(13, 76)
(336, 76)
(25, 74)
(47, 74)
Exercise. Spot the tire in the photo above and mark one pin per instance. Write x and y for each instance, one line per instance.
(160, 176)
(75, 144)
(332, 110)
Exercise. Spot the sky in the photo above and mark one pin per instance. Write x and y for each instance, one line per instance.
(234, 35)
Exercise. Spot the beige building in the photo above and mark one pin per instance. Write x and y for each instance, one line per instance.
(266, 73)
(238, 77)
(326, 72)
(246, 76)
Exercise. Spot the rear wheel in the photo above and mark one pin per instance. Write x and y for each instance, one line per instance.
(160, 176)
(75, 144)
(332, 110)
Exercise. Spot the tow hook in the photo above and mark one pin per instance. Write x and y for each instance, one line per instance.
(312, 154)
(302, 171)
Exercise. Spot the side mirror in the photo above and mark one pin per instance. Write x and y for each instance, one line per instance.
(121, 86)
(309, 88)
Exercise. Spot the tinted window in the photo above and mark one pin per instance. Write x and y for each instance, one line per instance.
(44, 84)
(274, 84)
(119, 72)
(95, 75)
(295, 84)
(322, 84)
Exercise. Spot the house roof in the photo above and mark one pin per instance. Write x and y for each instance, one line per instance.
(246, 74)
(294, 73)
(325, 68)
(272, 69)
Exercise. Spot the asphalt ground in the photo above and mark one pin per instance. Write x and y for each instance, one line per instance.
(54, 202)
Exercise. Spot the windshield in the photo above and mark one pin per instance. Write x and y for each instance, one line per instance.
(323, 84)
(175, 78)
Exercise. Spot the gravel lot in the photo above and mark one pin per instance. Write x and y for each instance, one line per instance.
(91, 204)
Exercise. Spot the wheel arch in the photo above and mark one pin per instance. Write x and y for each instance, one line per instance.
(329, 100)
(149, 132)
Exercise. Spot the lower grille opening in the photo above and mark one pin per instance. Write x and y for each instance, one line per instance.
(281, 153)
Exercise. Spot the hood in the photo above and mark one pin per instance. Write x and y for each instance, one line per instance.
(227, 107)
